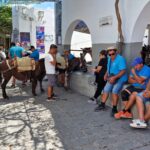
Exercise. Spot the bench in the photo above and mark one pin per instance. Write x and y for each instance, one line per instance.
(81, 83)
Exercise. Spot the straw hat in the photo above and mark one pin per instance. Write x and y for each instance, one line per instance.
(112, 48)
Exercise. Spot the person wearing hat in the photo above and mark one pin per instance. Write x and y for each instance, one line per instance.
(115, 76)
(139, 77)
(34, 54)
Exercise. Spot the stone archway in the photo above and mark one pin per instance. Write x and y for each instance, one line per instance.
(81, 27)
(68, 35)
(134, 47)
(141, 23)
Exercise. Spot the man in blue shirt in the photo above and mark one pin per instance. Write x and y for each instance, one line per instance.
(15, 51)
(139, 77)
(115, 76)
(34, 54)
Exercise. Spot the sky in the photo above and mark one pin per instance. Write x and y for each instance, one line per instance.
(44, 5)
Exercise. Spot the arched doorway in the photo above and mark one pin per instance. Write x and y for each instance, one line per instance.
(141, 24)
(141, 32)
(78, 39)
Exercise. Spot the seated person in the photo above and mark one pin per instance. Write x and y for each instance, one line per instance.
(34, 54)
(138, 79)
(115, 76)
(68, 55)
(73, 62)
(143, 102)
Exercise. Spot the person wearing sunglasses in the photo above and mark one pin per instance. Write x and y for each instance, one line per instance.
(116, 77)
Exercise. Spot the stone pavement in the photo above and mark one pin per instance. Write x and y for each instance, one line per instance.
(32, 123)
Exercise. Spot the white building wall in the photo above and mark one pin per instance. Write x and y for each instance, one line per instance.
(130, 11)
(90, 11)
(25, 25)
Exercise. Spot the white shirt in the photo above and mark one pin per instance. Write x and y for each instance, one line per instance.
(50, 69)
(2, 55)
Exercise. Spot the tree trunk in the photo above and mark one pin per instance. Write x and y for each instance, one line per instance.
(120, 34)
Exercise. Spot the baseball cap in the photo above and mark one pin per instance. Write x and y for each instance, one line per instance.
(136, 61)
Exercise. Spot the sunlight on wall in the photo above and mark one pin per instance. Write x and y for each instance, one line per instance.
(80, 40)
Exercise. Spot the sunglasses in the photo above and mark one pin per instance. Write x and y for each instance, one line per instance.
(112, 54)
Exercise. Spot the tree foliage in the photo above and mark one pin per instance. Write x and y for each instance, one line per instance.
(5, 20)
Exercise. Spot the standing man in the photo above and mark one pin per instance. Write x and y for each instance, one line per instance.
(116, 77)
(2, 53)
(15, 51)
(50, 64)
(2, 57)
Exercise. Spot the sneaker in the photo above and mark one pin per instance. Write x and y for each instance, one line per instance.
(113, 112)
(50, 99)
(135, 120)
(100, 107)
(138, 124)
(127, 115)
(119, 114)
(92, 100)
(54, 96)
(93, 83)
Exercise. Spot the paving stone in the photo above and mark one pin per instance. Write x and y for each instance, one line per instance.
(32, 123)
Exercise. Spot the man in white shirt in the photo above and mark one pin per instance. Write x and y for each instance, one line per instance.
(2, 57)
(2, 53)
(50, 64)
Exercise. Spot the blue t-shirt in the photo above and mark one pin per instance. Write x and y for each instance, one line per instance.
(114, 67)
(145, 73)
(35, 55)
(71, 56)
(16, 51)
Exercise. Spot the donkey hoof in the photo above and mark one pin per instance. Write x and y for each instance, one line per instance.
(34, 94)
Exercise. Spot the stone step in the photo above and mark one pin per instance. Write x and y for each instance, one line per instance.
(81, 83)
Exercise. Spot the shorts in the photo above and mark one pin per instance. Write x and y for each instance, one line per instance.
(51, 79)
(146, 101)
(113, 88)
(132, 89)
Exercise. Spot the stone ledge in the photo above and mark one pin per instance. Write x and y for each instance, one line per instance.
(80, 82)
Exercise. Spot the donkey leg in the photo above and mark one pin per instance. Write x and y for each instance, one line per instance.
(5, 96)
(34, 84)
